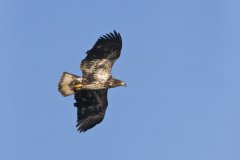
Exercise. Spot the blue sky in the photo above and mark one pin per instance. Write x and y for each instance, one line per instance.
(180, 60)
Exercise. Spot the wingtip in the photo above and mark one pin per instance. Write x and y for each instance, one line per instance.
(117, 35)
(111, 36)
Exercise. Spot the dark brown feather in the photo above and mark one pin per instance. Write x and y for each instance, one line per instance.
(106, 45)
(100, 59)
(91, 106)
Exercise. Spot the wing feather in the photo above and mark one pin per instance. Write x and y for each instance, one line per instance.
(99, 60)
(91, 106)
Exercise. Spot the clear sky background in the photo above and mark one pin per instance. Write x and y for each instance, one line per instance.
(180, 59)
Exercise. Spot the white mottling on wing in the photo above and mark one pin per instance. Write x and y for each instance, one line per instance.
(100, 69)
(79, 79)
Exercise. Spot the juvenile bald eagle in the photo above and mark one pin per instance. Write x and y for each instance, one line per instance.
(90, 90)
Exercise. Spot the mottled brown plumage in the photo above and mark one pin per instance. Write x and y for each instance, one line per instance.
(90, 90)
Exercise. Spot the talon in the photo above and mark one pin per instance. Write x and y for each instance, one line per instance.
(77, 86)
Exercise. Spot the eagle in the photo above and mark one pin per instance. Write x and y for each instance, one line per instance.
(90, 91)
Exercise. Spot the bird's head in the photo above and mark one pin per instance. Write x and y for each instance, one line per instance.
(116, 83)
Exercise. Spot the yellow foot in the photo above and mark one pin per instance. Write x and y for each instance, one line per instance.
(77, 86)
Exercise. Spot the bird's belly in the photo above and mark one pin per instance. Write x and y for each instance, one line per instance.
(94, 86)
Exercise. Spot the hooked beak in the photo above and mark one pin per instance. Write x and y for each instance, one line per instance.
(123, 84)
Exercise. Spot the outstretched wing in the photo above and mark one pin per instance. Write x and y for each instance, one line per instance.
(91, 106)
(98, 63)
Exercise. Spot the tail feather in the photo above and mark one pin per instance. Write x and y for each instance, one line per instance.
(67, 81)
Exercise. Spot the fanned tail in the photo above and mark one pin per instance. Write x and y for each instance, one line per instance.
(67, 82)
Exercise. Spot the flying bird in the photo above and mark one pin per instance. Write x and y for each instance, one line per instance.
(90, 91)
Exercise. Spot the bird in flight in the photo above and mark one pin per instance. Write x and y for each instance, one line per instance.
(90, 90)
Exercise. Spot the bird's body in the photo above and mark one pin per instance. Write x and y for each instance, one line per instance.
(91, 89)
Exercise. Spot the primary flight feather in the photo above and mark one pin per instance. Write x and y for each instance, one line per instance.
(90, 90)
